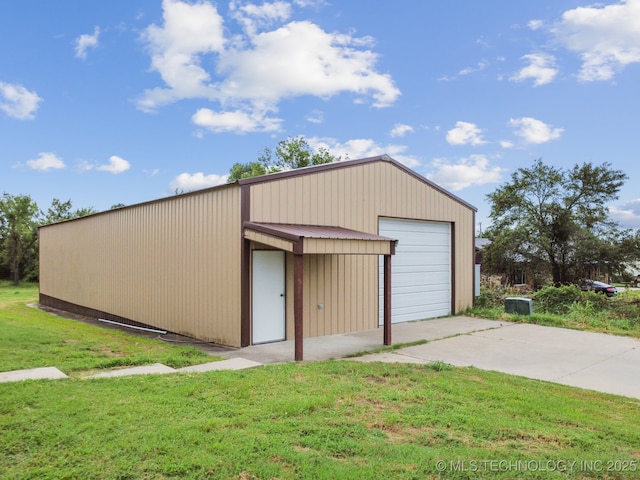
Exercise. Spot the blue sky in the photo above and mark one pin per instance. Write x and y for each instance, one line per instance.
(104, 103)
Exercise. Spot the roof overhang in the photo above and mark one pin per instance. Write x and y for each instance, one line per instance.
(318, 239)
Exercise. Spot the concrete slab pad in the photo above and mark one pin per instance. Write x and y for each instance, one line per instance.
(595, 361)
(237, 363)
(43, 373)
(156, 368)
(438, 328)
(341, 345)
(617, 374)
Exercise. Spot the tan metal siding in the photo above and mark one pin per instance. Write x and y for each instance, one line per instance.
(334, 246)
(355, 197)
(339, 284)
(264, 239)
(173, 264)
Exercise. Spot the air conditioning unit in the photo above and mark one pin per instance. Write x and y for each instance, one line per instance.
(519, 306)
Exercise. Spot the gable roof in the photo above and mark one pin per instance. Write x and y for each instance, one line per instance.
(287, 174)
(348, 164)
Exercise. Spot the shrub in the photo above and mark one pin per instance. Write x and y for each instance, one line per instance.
(489, 298)
(557, 300)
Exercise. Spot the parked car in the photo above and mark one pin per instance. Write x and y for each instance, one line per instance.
(637, 281)
(599, 287)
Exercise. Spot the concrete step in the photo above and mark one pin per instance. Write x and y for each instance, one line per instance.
(52, 373)
(43, 373)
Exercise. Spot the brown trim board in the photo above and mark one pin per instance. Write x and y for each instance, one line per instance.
(65, 306)
(453, 268)
(245, 265)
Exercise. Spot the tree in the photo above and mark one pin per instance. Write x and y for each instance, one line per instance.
(59, 211)
(20, 218)
(553, 219)
(18, 231)
(246, 170)
(292, 153)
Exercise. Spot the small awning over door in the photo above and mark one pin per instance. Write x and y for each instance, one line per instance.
(316, 239)
(326, 240)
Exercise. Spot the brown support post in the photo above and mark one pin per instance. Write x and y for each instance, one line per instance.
(297, 305)
(387, 300)
(245, 266)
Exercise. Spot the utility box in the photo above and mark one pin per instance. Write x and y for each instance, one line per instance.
(518, 305)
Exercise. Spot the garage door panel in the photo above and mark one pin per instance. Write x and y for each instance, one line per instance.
(424, 277)
(412, 313)
(421, 269)
(430, 260)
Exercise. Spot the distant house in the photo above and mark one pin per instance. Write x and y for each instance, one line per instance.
(516, 273)
(329, 249)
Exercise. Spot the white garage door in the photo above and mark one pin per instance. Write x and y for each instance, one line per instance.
(420, 269)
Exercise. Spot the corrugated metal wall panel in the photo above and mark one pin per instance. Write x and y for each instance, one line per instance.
(355, 197)
(173, 264)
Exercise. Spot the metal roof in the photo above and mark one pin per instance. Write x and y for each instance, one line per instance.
(317, 239)
(297, 232)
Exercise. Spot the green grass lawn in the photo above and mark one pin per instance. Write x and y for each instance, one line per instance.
(320, 420)
(33, 338)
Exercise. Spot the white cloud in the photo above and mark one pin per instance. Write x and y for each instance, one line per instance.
(187, 182)
(302, 59)
(235, 121)
(467, 172)
(465, 133)
(541, 69)
(310, 3)
(480, 66)
(317, 116)
(506, 144)
(255, 71)
(189, 31)
(483, 64)
(532, 130)
(607, 38)
(46, 161)
(86, 41)
(535, 24)
(18, 102)
(252, 17)
(363, 148)
(627, 214)
(116, 165)
(401, 129)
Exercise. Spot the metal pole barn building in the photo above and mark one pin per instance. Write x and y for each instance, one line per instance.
(329, 249)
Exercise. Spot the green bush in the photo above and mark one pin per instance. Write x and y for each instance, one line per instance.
(489, 298)
(557, 300)
(568, 307)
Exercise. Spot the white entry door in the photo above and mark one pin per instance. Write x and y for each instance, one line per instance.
(268, 296)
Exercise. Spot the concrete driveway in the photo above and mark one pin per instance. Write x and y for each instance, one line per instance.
(588, 360)
(595, 361)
